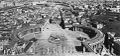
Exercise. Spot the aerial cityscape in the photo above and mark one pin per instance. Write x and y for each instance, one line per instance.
(59, 27)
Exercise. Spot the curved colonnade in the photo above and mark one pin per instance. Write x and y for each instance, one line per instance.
(20, 33)
(96, 42)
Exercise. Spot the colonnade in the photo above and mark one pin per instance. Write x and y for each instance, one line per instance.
(32, 30)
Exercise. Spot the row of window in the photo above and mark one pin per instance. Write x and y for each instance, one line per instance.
(29, 31)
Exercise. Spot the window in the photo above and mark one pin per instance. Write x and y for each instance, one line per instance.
(31, 30)
(39, 29)
(35, 30)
